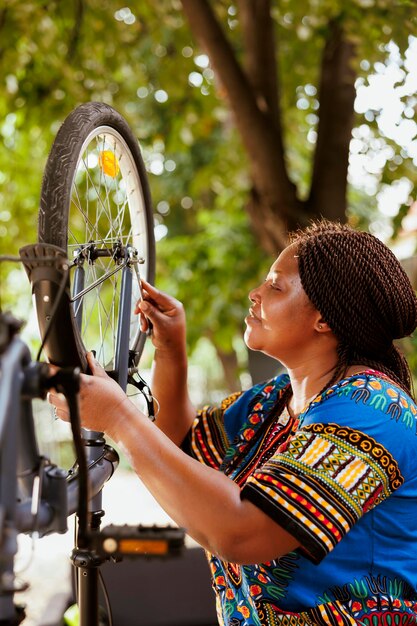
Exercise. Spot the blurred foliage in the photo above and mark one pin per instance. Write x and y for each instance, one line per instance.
(143, 61)
(408, 346)
(301, 34)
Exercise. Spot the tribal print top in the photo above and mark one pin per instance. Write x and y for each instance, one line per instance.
(342, 479)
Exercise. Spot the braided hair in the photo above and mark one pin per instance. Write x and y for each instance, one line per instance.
(362, 293)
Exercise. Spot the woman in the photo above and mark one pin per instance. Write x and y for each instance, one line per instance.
(303, 490)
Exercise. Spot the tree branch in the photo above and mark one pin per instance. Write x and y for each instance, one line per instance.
(260, 56)
(273, 207)
(76, 30)
(336, 96)
(258, 135)
(3, 18)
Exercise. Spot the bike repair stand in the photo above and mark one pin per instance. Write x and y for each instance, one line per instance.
(85, 559)
(116, 542)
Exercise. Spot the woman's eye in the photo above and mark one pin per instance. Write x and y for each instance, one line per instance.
(271, 284)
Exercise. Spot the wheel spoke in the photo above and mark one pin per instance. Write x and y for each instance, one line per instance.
(101, 191)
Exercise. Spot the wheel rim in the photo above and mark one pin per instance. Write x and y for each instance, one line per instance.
(107, 207)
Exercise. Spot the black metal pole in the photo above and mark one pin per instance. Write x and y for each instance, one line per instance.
(86, 560)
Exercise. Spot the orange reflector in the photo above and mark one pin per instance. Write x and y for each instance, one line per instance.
(109, 163)
(143, 546)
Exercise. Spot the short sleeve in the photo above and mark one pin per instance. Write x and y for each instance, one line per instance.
(217, 427)
(321, 481)
(207, 440)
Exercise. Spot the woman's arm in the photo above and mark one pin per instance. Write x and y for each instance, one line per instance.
(169, 373)
(202, 500)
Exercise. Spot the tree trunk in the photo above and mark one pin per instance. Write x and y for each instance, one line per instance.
(79, 10)
(253, 93)
(336, 96)
(230, 369)
(274, 204)
(260, 58)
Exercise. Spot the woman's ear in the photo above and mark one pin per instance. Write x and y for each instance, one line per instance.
(321, 326)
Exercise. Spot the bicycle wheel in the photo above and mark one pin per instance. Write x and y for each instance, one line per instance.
(95, 203)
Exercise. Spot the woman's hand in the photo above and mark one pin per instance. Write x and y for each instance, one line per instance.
(167, 317)
(169, 372)
(101, 400)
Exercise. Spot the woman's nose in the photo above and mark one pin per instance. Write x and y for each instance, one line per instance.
(254, 295)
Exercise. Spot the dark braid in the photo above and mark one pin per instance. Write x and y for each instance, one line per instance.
(362, 292)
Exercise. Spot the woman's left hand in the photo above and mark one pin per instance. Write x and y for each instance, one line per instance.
(100, 400)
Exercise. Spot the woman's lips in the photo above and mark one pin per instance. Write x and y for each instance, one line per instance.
(252, 318)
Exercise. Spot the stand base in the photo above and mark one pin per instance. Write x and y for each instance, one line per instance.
(135, 586)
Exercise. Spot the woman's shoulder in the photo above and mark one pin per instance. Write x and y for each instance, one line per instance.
(370, 390)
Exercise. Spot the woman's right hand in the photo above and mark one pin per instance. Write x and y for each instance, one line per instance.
(167, 317)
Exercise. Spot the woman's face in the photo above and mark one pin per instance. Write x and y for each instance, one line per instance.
(281, 320)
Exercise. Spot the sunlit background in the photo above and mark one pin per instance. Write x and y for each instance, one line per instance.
(144, 61)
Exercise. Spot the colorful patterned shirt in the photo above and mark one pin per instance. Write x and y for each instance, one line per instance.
(342, 479)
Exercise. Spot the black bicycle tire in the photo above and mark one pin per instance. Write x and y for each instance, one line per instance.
(55, 203)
